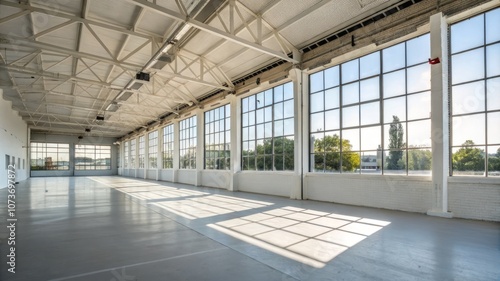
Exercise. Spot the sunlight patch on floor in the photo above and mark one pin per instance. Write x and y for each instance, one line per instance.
(307, 236)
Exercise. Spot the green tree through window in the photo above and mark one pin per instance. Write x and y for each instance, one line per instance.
(327, 151)
(395, 159)
(468, 158)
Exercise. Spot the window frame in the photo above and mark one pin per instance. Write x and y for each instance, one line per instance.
(214, 118)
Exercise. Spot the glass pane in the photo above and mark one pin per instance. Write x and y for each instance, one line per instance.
(470, 128)
(278, 111)
(350, 140)
(467, 34)
(468, 98)
(467, 66)
(317, 122)
(259, 114)
(288, 91)
(370, 113)
(252, 163)
(468, 160)
(419, 134)
(268, 114)
(316, 81)
(332, 77)
(260, 100)
(332, 162)
(350, 93)
(278, 145)
(268, 129)
(418, 50)
(494, 161)
(395, 136)
(288, 109)
(278, 128)
(350, 162)
(278, 162)
(251, 118)
(268, 97)
(350, 116)
(494, 128)
(394, 57)
(395, 162)
(316, 142)
(317, 102)
(288, 127)
(317, 162)
(278, 93)
(492, 24)
(332, 98)
(350, 71)
(369, 89)
(371, 138)
(418, 78)
(419, 162)
(371, 162)
(369, 65)
(394, 84)
(493, 60)
(251, 102)
(394, 108)
(419, 106)
(332, 120)
(493, 94)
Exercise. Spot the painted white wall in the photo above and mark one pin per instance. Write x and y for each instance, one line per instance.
(187, 176)
(167, 175)
(273, 183)
(13, 142)
(216, 178)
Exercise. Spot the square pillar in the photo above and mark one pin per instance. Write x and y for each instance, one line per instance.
(439, 116)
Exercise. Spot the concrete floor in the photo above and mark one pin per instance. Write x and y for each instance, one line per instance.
(115, 228)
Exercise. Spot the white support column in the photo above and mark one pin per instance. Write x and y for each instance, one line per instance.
(136, 156)
(200, 145)
(159, 158)
(439, 116)
(146, 155)
(175, 161)
(297, 79)
(235, 141)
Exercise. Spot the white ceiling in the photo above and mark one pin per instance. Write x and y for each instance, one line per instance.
(62, 63)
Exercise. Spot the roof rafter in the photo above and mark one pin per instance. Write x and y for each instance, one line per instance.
(210, 29)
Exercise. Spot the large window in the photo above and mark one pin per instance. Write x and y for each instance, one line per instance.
(187, 142)
(92, 157)
(168, 147)
(217, 138)
(49, 156)
(142, 151)
(268, 130)
(372, 114)
(475, 95)
(132, 153)
(153, 150)
(125, 154)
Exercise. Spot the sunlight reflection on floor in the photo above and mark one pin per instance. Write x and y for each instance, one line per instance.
(308, 236)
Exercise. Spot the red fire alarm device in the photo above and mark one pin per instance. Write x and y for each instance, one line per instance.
(434, 61)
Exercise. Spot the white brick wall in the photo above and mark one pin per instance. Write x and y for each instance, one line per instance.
(474, 198)
(405, 193)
